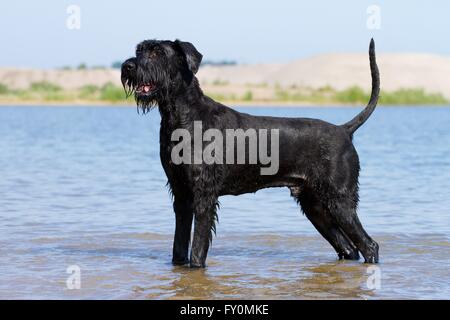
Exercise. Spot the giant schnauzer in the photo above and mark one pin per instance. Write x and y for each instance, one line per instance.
(317, 160)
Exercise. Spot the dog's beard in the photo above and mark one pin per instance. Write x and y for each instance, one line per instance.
(145, 104)
(145, 99)
(149, 87)
(128, 87)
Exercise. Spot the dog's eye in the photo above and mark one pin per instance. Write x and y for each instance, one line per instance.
(153, 54)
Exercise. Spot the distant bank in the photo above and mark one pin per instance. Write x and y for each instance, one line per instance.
(330, 79)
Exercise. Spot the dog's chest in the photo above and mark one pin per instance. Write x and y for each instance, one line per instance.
(174, 172)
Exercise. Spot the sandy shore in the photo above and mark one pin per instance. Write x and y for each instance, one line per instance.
(340, 71)
(258, 84)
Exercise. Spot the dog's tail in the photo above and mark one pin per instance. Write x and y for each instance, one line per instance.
(358, 121)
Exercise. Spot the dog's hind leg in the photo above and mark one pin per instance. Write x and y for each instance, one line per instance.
(345, 215)
(324, 223)
(182, 206)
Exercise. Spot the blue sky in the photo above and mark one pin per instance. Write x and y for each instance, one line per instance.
(34, 33)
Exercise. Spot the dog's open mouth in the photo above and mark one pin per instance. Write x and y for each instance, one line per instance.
(146, 89)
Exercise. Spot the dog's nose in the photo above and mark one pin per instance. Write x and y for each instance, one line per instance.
(129, 65)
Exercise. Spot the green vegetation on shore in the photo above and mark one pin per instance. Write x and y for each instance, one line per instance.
(328, 95)
(356, 95)
(48, 92)
(44, 92)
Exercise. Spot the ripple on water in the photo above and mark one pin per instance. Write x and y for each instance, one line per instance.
(133, 265)
(84, 186)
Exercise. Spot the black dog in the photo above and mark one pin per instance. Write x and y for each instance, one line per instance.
(318, 161)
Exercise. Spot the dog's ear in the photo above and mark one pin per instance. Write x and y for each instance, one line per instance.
(193, 57)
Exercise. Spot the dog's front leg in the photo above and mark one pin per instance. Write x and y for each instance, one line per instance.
(203, 227)
(182, 206)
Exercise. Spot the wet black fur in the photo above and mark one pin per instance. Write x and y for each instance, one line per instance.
(318, 161)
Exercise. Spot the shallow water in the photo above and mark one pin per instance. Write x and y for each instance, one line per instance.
(84, 186)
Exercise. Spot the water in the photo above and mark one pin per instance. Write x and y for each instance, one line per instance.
(84, 186)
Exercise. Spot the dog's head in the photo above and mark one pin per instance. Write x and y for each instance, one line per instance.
(159, 70)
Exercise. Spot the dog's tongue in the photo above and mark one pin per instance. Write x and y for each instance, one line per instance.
(147, 88)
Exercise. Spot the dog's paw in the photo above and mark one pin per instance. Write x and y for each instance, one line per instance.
(195, 265)
(372, 257)
(371, 260)
(350, 255)
(180, 262)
